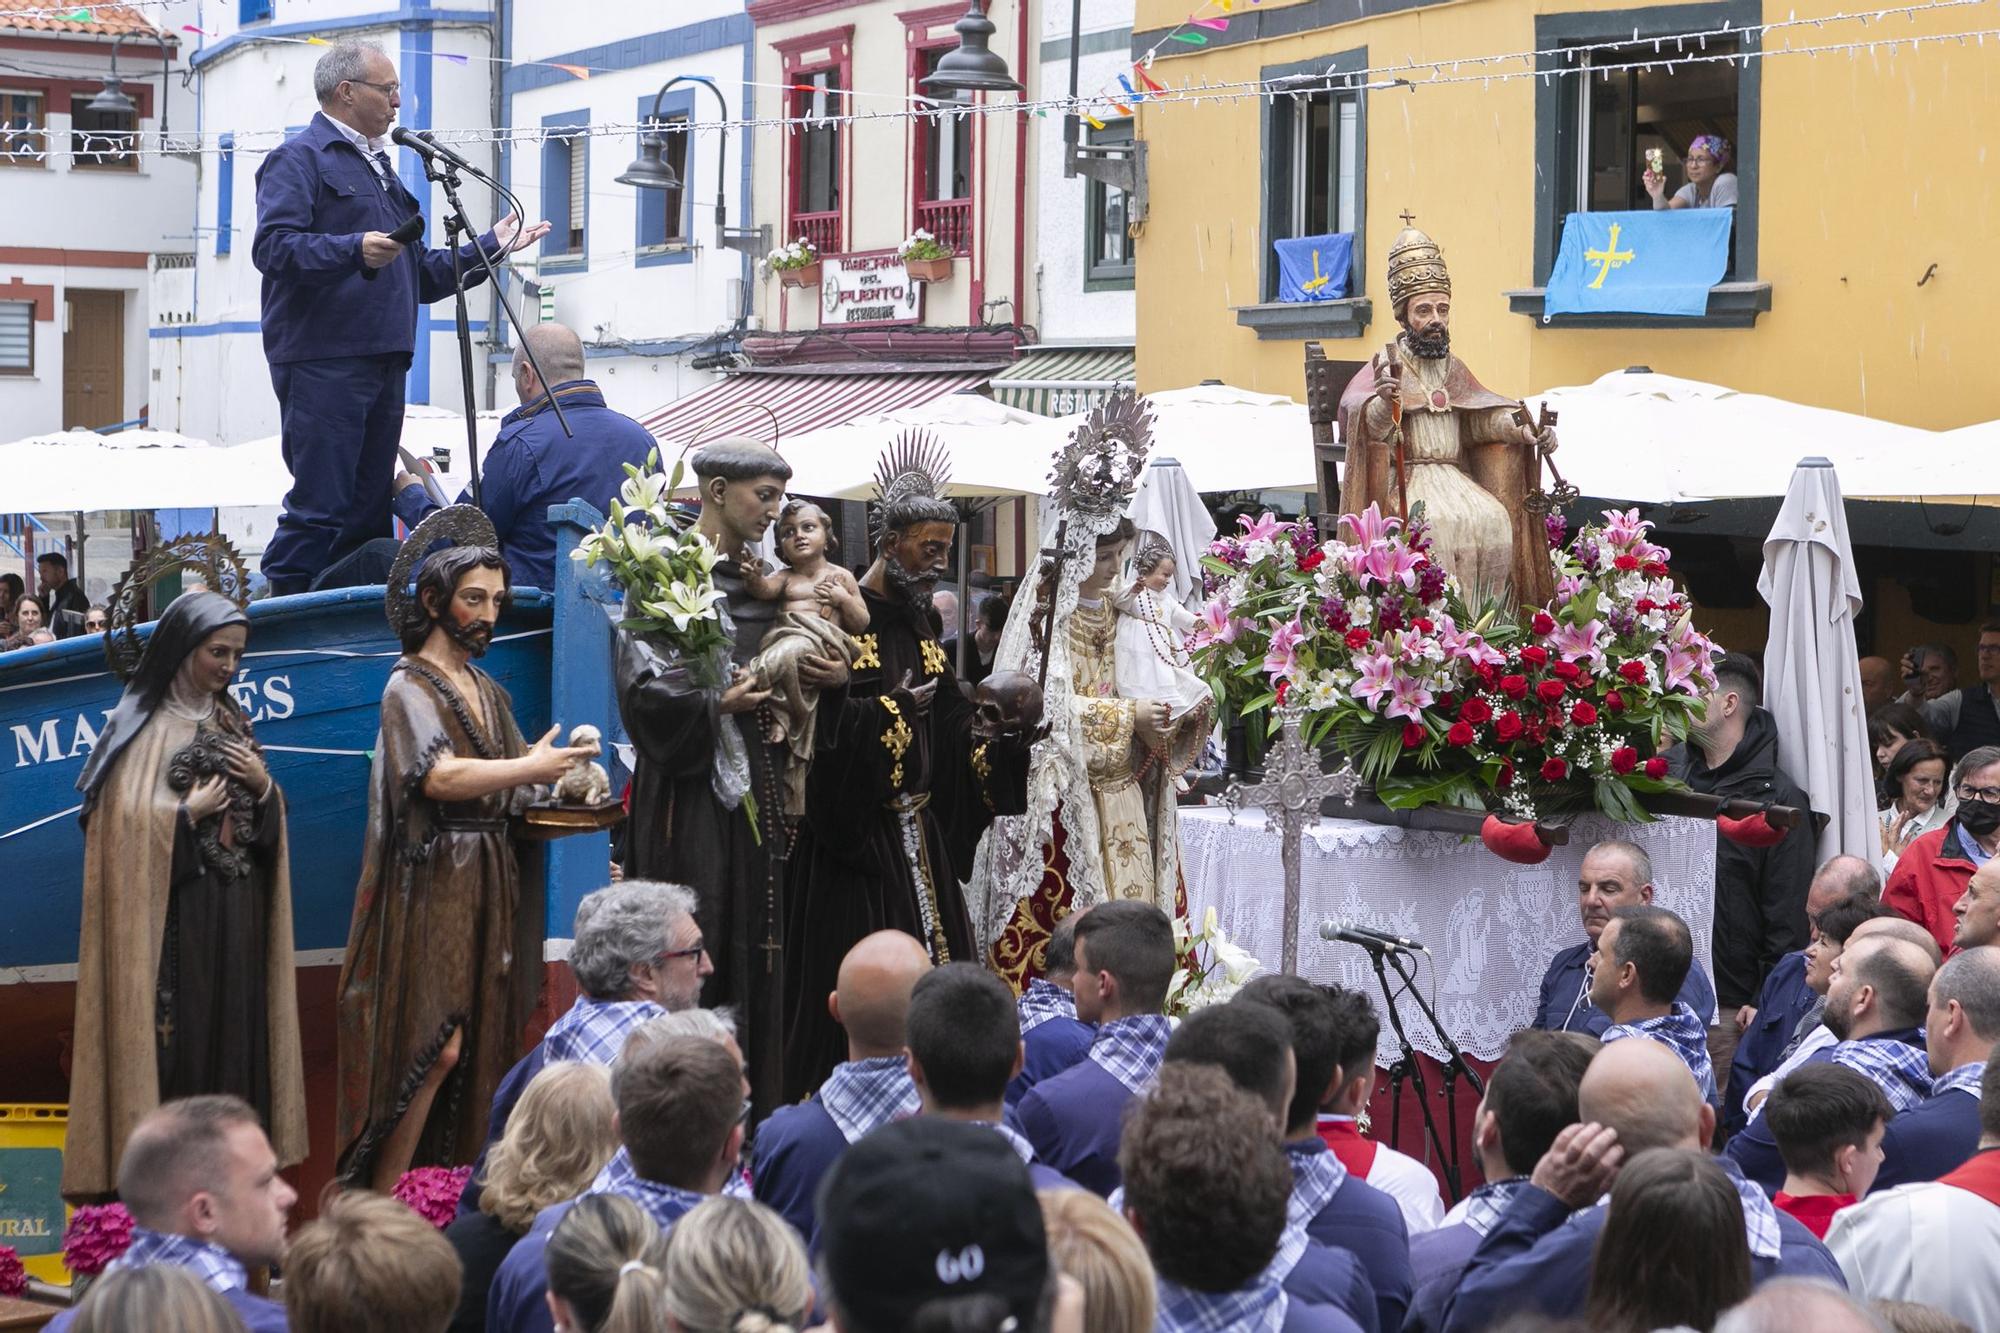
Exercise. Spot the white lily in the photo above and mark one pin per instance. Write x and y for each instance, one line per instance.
(643, 491)
(685, 603)
(1238, 965)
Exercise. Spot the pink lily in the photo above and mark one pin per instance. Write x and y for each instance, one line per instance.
(1282, 658)
(1370, 526)
(1389, 564)
(1622, 528)
(1683, 671)
(1411, 698)
(1580, 643)
(1263, 529)
(1378, 677)
(1460, 645)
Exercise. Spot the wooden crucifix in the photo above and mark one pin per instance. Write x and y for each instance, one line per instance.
(1294, 785)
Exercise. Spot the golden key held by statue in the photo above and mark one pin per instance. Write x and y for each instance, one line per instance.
(1540, 502)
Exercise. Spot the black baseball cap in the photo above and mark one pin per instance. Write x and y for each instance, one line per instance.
(927, 1209)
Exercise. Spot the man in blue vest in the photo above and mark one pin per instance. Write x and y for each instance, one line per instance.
(1615, 874)
(340, 309)
(1938, 1134)
(533, 465)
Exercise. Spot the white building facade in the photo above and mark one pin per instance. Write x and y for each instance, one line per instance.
(1083, 246)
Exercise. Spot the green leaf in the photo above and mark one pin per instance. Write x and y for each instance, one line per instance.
(1261, 702)
(1407, 793)
(1614, 798)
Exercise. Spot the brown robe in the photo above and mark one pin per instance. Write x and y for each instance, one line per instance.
(131, 875)
(433, 946)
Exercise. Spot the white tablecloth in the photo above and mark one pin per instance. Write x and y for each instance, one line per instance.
(1491, 925)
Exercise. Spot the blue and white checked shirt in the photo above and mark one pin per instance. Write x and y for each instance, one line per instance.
(1015, 1139)
(1483, 1207)
(618, 1174)
(1131, 1049)
(1315, 1178)
(861, 1096)
(594, 1031)
(215, 1266)
(1681, 1029)
(1965, 1078)
(1902, 1071)
(1257, 1308)
(1760, 1219)
(1042, 1001)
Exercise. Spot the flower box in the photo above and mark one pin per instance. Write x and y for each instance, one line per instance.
(804, 276)
(928, 270)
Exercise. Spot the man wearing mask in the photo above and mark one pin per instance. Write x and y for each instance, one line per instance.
(1932, 874)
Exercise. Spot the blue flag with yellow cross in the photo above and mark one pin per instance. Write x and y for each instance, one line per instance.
(1314, 268)
(1653, 263)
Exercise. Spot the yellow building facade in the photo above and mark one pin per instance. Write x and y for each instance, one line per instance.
(1862, 277)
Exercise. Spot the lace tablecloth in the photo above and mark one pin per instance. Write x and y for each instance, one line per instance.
(1492, 926)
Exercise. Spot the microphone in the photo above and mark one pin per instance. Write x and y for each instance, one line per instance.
(423, 145)
(1346, 932)
(406, 231)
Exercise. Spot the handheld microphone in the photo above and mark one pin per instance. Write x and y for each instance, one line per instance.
(406, 231)
(1346, 932)
(423, 145)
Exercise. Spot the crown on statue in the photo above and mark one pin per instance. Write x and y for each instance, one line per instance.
(1416, 265)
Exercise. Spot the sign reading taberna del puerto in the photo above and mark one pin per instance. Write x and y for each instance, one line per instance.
(864, 289)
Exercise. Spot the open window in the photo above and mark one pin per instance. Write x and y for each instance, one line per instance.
(817, 150)
(566, 188)
(102, 140)
(1108, 259)
(666, 217)
(944, 163)
(23, 123)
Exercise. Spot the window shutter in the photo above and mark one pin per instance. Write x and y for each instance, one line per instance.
(579, 188)
(17, 335)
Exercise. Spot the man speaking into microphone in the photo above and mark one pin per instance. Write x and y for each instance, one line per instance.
(340, 309)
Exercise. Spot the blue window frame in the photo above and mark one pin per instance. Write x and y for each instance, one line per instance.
(656, 241)
(566, 190)
(252, 11)
(225, 192)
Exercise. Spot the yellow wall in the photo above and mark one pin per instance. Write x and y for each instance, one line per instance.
(1872, 169)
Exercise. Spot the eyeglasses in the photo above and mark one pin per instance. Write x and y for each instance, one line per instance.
(1989, 795)
(386, 89)
(699, 948)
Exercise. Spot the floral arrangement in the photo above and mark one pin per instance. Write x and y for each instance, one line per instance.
(922, 245)
(1198, 957)
(665, 568)
(1370, 634)
(791, 255)
(97, 1234)
(13, 1277)
(432, 1192)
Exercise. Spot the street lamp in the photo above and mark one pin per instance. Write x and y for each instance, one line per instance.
(651, 171)
(112, 97)
(972, 67)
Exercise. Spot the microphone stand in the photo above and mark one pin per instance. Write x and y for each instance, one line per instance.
(1407, 1066)
(456, 226)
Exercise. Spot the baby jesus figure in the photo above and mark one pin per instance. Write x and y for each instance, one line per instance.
(820, 605)
(1152, 661)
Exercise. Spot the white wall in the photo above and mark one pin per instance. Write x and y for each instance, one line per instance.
(1065, 312)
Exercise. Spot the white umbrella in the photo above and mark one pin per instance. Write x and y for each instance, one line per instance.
(74, 470)
(1812, 680)
(1230, 439)
(1168, 503)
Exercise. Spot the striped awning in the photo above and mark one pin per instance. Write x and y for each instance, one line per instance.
(1056, 381)
(745, 403)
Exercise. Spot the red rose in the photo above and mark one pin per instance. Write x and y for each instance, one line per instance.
(1534, 656)
(1284, 688)
(1507, 726)
(1615, 701)
(1489, 675)
(1653, 569)
(1566, 670)
(1308, 563)
(1555, 770)
(1633, 671)
(1624, 759)
(1549, 691)
(1507, 774)
(1514, 687)
(1414, 735)
(1656, 768)
(1643, 605)
(1460, 734)
(1422, 625)
(1628, 563)
(1537, 731)
(1582, 713)
(1357, 638)
(1476, 711)
(1543, 623)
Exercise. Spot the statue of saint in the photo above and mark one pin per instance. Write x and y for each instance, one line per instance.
(1420, 429)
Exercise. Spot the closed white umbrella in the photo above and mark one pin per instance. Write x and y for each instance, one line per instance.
(1168, 503)
(1230, 439)
(1812, 677)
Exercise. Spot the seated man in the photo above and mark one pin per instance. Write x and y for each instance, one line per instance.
(963, 1047)
(1124, 961)
(1847, 919)
(366, 1263)
(1636, 1095)
(1206, 1190)
(1055, 1039)
(1828, 1121)
(798, 1144)
(1397, 1174)
(1642, 959)
(202, 1185)
(1530, 1098)
(1874, 1004)
(1939, 1133)
(1615, 873)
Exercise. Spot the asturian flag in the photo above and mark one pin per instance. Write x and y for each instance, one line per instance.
(1659, 262)
(1314, 268)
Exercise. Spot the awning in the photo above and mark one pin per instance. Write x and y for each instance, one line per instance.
(801, 402)
(1056, 381)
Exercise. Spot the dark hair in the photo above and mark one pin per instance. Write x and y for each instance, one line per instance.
(1206, 1178)
(1837, 922)
(1735, 671)
(1532, 1093)
(1309, 1012)
(1134, 942)
(440, 575)
(739, 460)
(1657, 943)
(13, 582)
(1896, 719)
(1903, 992)
(56, 558)
(978, 1312)
(992, 612)
(964, 1030)
(1059, 954)
(793, 506)
(678, 1099)
(1924, 651)
(1357, 1028)
(40, 605)
(178, 1150)
(1246, 1041)
(1818, 1109)
(1638, 1284)
(1918, 750)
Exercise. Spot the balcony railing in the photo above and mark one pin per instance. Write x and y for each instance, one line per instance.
(950, 220)
(822, 229)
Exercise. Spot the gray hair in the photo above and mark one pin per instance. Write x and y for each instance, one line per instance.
(1983, 757)
(621, 927)
(1972, 977)
(347, 62)
(1635, 856)
(558, 350)
(718, 1024)
(1788, 1303)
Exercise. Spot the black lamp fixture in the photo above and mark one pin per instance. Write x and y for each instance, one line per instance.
(972, 67)
(112, 97)
(650, 170)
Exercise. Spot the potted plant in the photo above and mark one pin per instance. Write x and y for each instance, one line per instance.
(796, 263)
(925, 257)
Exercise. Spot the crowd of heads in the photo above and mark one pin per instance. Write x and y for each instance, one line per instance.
(52, 607)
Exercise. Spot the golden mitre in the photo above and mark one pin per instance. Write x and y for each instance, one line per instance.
(1415, 265)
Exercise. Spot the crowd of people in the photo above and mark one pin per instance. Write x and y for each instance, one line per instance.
(57, 609)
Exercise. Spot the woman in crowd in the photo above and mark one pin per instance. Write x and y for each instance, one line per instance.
(607, 1268)
(1091, 1244)
(559, 1137)
(1915, 784)
(160, 1298)
(1710, 182)
(1890, 727)
(29, 616)
(733, 1266)
(1638, 1284)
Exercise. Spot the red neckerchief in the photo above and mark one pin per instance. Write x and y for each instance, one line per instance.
(1813, 1211)
(1343, 1136)
(1980, 1175)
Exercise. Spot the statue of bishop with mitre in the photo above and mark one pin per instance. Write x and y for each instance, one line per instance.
(1420, 429)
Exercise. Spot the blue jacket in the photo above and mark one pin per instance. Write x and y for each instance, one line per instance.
(1755, 1152)
(259, 1314)
(1365, 1221)
(795, 1148)
(533, 465)
(1537, 1257)
(316, 196)
(505, 1096)
(1437, 1260)
(1075, 1120)
(1049, 1048)
(1783, 1001)
(1933, 1138)
(1329, 1276)
(1559, 1011)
